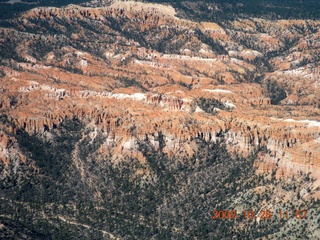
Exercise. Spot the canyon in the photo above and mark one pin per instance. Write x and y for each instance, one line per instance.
(164, 85)
(136, 72)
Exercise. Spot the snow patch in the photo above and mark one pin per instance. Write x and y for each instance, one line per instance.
(314, 124)
(46, 87)
(229, 104)
(185, 57)
(188, 100)
(33, 82)
(309, 122)
(83, 63)
(289, 120)
(135, 96)
(120, 96)
(216, 90)
(296, 72)
(109, 54)
(129, 144)
(198, 109)
(138, 96)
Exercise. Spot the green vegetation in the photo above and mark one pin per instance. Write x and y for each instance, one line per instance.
(221, 10)
(216, 47)
(209, 104)
(76, 196)
(8, 10)
(67, 189)
(276, 92)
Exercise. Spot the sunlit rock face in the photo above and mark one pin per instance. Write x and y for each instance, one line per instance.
(134, 70)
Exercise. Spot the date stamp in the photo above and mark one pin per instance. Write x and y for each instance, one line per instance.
(262, 214)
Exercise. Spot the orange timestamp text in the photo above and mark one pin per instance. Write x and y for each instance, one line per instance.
(262, 214)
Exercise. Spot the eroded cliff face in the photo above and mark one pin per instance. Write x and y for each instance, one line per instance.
(133, 71)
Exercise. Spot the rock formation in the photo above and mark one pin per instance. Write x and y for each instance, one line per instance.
(134, 86)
